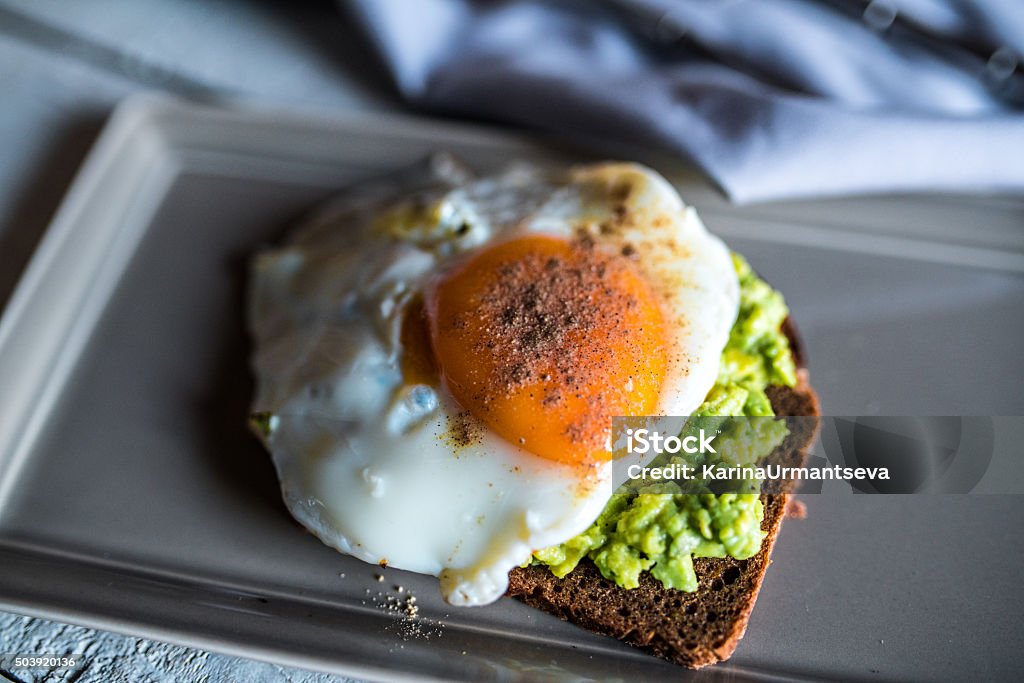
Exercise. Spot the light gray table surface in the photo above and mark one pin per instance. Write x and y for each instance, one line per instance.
(64, 65)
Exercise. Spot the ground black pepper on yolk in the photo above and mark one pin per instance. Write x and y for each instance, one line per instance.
(544, 340)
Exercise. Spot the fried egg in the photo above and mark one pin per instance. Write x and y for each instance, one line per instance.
(437, 374)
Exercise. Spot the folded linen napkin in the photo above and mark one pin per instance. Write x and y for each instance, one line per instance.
(772, 98)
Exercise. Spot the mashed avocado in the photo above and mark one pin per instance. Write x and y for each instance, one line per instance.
(660, 527)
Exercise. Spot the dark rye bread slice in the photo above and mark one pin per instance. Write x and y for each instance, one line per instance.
(692, 629)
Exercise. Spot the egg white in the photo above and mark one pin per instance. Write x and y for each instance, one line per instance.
(366, 456)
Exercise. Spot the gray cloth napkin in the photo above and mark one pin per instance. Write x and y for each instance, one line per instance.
(772, 98)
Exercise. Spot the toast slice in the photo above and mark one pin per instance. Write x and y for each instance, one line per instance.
(692, 629)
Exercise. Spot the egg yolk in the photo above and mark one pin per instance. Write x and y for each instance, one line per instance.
(545, 340)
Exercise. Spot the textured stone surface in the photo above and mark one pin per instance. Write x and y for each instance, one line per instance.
(112, 658)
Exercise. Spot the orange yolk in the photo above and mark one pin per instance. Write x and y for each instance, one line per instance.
(545, 340)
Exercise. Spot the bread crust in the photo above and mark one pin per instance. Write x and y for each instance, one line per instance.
(691, 629)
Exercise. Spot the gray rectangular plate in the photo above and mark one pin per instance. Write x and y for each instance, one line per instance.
(132, 497)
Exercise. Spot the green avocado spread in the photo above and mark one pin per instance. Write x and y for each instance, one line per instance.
(661, 527)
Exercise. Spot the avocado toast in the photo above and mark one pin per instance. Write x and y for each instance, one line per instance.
(698, 628)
